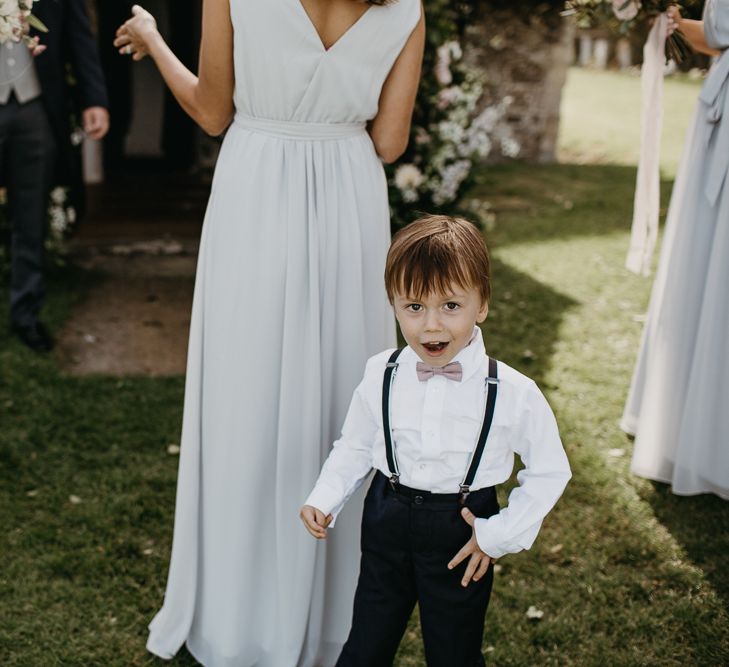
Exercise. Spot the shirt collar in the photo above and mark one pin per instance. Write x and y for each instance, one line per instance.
(471, 357)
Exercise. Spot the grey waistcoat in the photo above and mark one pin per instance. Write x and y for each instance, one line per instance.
(17, 73)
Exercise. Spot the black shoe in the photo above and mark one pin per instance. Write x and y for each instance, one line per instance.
(34, 336)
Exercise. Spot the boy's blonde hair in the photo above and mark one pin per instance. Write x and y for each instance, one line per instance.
(435, 252)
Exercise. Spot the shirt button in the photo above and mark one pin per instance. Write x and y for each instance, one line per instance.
(422, 466)
(11, 62)
(418, 500)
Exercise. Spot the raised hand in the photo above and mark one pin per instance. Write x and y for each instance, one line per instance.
(315, 521)
(479, 561)
(135, 35)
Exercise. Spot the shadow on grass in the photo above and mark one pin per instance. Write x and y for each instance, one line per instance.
(558, 201)
(524, 320)
(701, 525)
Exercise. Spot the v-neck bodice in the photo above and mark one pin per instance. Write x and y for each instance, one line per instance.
(343, 36)
(284, 72)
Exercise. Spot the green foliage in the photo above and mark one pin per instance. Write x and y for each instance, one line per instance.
(450, 129)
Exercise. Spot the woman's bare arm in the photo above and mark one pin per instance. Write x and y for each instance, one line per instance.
(207, 97)
(693, 31)
(390, 129)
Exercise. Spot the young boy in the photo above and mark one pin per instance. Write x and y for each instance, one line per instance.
(440, 422)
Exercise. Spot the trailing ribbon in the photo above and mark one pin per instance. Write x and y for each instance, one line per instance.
(646, 205)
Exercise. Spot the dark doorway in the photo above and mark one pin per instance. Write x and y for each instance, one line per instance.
(156, 175)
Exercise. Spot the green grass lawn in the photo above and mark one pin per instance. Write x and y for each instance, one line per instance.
(600, 118)
(625, 572)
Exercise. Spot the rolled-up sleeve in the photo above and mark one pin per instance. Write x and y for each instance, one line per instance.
(540, 484)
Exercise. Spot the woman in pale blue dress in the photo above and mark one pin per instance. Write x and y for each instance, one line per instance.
(289, 304)
(678, 407)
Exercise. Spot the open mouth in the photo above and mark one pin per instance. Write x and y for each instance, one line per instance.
(436, 347)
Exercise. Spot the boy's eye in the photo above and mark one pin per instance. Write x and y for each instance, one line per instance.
(452, 306)
(414, 307)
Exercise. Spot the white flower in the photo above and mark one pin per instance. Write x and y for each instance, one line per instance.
(408, 177)
(454, 49)
(71, 215)
(410, 196)
(625, 10)
(450, 131)
(534, 614)
(443, 74)
(443, 54)
(510, 147)
(448, 96)
(173, 449)
(422, 137)
(58, 195)
(451, 178)
(74, 500)
(9, 8)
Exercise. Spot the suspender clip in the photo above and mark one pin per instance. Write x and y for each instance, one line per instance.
(464, 493)
(394, 480)
(490, 380)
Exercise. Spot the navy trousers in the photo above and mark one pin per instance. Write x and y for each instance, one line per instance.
(27, 154)
(408, 538)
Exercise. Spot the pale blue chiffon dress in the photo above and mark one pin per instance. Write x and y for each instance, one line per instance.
(678, 407)
(289, 304)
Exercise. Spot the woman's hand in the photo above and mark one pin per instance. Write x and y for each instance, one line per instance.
(315, 521)
(135, 36)
(674, 19)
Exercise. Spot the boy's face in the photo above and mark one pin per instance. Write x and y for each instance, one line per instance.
(439, 325)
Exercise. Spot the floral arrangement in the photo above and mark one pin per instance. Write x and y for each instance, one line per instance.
(627, 16)
(61, 221)
(16, 20)
(448, 133)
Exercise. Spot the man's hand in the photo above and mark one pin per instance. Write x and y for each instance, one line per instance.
(96, 122)
(315, 521)
(479, 562)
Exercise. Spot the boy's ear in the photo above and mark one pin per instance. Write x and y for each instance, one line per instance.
(482, 313)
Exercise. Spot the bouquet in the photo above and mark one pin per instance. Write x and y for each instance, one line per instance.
(16, 20)
(627, 16)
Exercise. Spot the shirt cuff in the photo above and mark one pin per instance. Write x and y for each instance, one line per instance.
(489, 535)
(326, 500)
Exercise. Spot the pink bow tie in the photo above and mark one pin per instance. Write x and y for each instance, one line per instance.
(452, 371)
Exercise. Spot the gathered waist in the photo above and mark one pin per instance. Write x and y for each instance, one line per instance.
(297, 130)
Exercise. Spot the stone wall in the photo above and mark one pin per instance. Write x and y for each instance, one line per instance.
(524, 50)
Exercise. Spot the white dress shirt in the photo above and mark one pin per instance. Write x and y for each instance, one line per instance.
(435, 427)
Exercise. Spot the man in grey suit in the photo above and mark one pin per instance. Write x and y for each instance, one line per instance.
(34, 140)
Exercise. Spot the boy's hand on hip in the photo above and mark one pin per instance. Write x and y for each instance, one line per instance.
(478, 564)
(315, 521)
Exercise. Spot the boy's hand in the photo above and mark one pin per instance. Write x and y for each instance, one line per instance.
(315, 521)
(479, 563)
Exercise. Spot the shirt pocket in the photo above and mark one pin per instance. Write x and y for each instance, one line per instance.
(467, 432)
